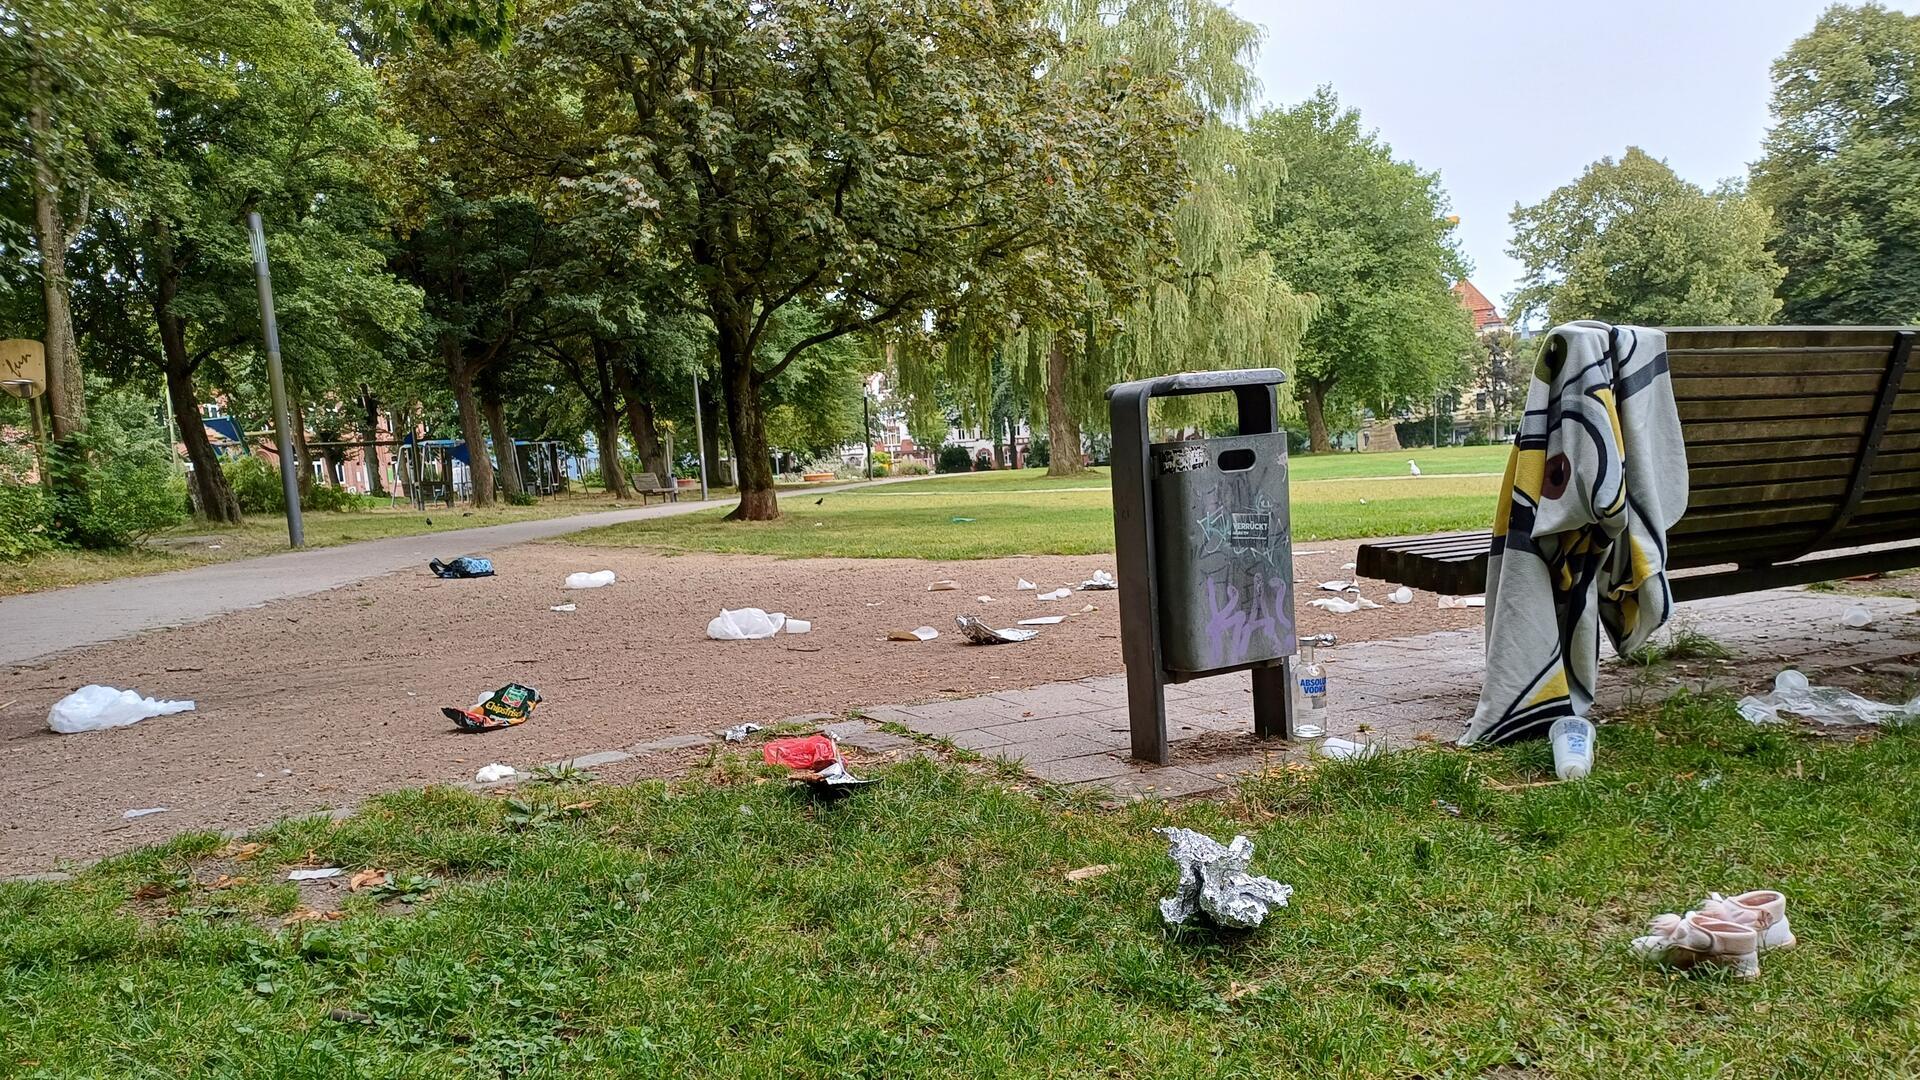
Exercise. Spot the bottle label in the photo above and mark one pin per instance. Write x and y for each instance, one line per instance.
(1314, 687)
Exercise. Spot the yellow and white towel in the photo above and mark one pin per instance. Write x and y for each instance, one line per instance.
(1597, 476)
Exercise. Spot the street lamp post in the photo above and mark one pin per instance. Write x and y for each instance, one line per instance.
(277, 384)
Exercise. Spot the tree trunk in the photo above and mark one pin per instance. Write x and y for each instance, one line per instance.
(641, 424)
(752, 464)
(212, 493)
(66, 386)
(509, 471)
(1316, 406)
(1063, 431)
(302, 454)
(370, 434)
(613, 471)
(710, 431)
(479, 469)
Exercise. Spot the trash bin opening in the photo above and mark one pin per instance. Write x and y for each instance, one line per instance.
(1237, 460)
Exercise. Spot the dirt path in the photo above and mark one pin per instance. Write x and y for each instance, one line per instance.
(316, 702)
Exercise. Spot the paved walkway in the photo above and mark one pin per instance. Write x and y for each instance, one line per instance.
(1396, 692)
(42, 623)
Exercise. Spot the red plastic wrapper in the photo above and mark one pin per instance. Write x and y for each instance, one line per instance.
(807, 754)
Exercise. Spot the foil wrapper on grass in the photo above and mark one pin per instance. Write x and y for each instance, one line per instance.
(978, 632)
(1214, 882)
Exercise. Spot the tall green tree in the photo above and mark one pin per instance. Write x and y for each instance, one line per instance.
(1841, 169)
(1369, 237)
(875, 164)
(1631, 242)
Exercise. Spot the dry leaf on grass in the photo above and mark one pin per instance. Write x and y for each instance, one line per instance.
(242, 852)
(582, 806)
(1236, 991)
(307, 915)
(152, 891)
(366, 879)
(226, 881)
(1086, 872)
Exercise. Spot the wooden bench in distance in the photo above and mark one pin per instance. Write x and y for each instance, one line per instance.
(1803, 463)
(646, 484)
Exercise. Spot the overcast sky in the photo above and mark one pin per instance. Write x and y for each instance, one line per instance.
(1508, 99)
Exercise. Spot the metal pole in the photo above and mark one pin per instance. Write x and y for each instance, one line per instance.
(700, 436)
(866, 424)
(277, 382)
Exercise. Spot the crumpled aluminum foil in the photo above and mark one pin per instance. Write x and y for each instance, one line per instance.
(980, 633)
(1214, 880)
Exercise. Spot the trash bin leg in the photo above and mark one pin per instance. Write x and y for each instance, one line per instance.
(1273, 701)
(1147, 715)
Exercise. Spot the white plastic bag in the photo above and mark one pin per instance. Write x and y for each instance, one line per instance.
(493, 774)
(597, 579)
(746, 624)
(96, 708)
(1342, 607)
(1823, 704)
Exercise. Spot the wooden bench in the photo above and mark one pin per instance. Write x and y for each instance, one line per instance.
(1803, 460)
(646, 484)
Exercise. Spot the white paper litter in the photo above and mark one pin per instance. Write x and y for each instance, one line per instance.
(980, 633)
(1044, 620)
(739, 732)
(1057, 594)
(493, 774)
(1857, 617)
(564, 607)
(1340, 586)
(1214, 881)
(746, 624)
(319, 874)
(984, 599)
(1462, 601)
(924, 633)
(942, 586)
(1349, 566)
(1822, 704)
(148, 812)
(1346, 749)
(596, 580)
(97, 708)
(1401, 595)
(1023, 585)
(1343, 607)
(1100, 581)
(1302, 554)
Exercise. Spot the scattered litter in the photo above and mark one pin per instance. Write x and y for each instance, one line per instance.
(814, 760)
(1308, 731)
(1340, 586)
(1412, 467)
(1347, 750)
(1023, 585)
(564, 607)
(148, 812)
(1708, 783)
(506, 707)
(924, 633)
(1044, 620)
(1214, 881)
(1086, 609)
(963, 521)
(213, 547)
(96, 708)
(1086, 872)
(985, 599)
(1463, 601)
(746, 624)
(799, 626)
(1343, 607)
(1100, 581)
(835, 775)
(1057, 594)
(465, 566)
(494, 773)
(943, 585)
(1572, 738)
(316, 874)
(597, 580)
(1857, 617)
(1349, 566)
(1301, 554)
(1823, 704)
(739, 732)
(980, 633)
(1446, 807)
(1401, 595)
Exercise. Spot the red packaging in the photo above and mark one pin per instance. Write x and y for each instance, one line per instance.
(806, 754)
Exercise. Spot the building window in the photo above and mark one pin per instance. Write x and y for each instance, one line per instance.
(1480, 401)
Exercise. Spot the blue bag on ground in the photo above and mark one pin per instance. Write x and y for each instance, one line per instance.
(464, 566)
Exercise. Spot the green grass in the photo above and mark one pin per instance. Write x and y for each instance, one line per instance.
(1441, 927)
(1452, 460)
(1681, 642)
(190, 544)
(911, 521)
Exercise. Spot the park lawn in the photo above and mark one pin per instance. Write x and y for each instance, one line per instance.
(1451, 460)
(1447, 921)
(880, 522)
(191, 544)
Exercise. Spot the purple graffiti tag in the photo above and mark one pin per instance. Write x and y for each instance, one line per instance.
(1222, 618)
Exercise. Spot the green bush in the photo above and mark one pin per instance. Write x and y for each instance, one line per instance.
(879, 470)
(983, 462)
(911, 467)
(519, 498)
(330, 497)
(1039, 453)
(952, 459)
(132, 487)
(256, 483)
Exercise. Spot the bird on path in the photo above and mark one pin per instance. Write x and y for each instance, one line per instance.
(1414, 467)
(819, 500)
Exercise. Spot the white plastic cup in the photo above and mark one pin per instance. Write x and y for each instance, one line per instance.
(1789, 681)
(1857, 617)
(1572, 738)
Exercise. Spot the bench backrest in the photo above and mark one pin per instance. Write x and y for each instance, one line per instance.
(1799, 439)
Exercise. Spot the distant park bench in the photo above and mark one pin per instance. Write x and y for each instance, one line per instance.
(1803, 459)
(647, 484)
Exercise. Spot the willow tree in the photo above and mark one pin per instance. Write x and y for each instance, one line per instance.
(1214, 303)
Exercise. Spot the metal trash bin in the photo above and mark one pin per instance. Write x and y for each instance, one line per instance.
(1205, 553)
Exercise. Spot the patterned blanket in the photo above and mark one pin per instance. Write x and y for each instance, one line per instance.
(1597, 476)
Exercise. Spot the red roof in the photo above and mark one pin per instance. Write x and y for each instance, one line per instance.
(1477, 304)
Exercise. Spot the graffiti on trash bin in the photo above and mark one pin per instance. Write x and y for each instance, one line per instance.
(1232, 624)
